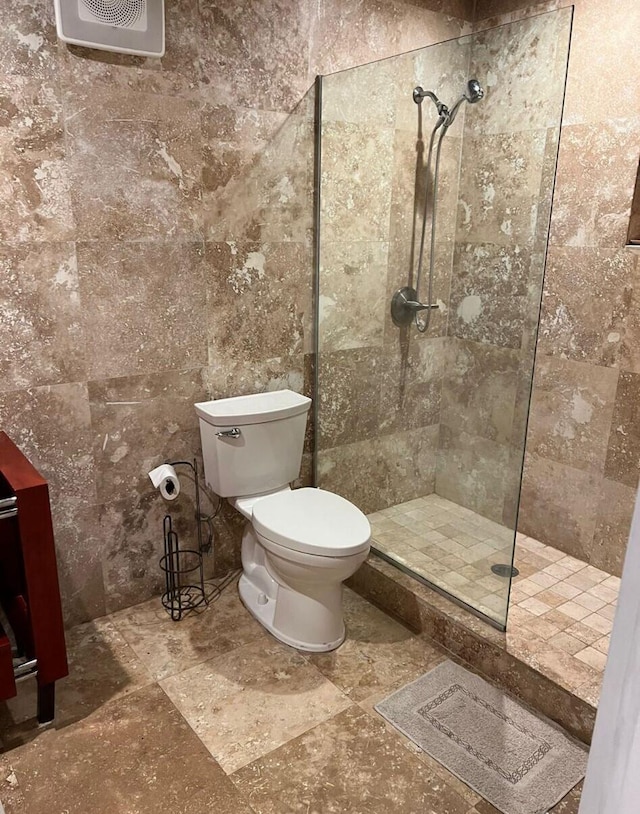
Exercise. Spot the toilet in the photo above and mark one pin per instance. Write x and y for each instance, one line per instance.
(299, 545)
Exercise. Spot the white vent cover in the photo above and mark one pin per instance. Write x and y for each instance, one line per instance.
(125, 26)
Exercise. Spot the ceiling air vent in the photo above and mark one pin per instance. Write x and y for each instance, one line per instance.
(125, 26)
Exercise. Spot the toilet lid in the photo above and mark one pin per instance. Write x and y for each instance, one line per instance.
(312, 521)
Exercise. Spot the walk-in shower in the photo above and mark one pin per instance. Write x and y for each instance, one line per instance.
(435, 175)
(406, 304)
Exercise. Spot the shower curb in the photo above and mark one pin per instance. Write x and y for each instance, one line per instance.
(485, 649)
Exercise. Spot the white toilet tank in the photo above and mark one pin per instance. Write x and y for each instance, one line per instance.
(252, 444)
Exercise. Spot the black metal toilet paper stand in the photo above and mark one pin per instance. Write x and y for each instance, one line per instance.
(183, 567)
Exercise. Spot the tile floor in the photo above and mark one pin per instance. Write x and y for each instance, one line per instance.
(561, 609)
(451, 546)
(564, 609)
(212, 714)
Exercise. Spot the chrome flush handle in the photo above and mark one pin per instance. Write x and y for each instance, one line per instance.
(234, 432)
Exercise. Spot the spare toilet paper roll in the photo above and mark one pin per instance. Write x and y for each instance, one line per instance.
(165, 478)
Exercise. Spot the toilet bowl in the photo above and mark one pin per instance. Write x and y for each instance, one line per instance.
(298, 545)
(297, 551)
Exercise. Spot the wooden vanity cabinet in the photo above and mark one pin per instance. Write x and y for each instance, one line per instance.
(29, 590)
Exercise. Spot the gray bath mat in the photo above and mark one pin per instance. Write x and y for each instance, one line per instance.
(512, 758)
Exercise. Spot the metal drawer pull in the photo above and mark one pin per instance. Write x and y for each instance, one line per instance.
(8, 507)
(26, 669)
(235, 432)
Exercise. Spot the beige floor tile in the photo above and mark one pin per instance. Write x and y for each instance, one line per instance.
(581, 580)
(136, 755)
(477, 593)
(535, 606)
(526, 570)
(598, 623)
(560, 620)
(465, 539)
(543, 628)
(350, 763)
(247, 702)
(385, 524)
(609, 612)
(391, 511)
(566, 590)
(596, 573)
(571, 563)
(590, 690)
(453, 562)
(481, 550)
(518, 617)
(550, 597)
(558, 571)
(432, 535)
(476, 575)
(567, 670)
(565, 641)
(590, 602)
(458, 581)
(403, 549)
(552, 554)
(448, 530)
(529, 542)
(585, 634)
(594, 658)
(529, 587)
(546, 580)
(378, 653)
(166, 647)
(495, 584)
(576, 612)
(102, 668)
(603, 644)
(495, 605)
(418, 516)
(419, 560)
(518, 596)
(602, 591)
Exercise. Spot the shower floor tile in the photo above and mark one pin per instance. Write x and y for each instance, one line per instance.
(449, 545)
(561, 609)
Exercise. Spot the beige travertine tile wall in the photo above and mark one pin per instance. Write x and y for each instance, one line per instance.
(506, 182)
(155, 249)
(380, 386)
(466, 382)
(583, 442)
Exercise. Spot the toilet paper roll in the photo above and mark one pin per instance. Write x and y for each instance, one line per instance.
(164, 477)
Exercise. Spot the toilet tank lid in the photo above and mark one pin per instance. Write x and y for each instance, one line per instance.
(253, 409)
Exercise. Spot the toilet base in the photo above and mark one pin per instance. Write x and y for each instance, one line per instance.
(263, 607)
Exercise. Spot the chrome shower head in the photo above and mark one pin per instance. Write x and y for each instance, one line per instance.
(473, 94)
(475, 91)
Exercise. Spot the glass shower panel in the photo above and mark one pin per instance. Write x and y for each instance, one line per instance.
(425, 430)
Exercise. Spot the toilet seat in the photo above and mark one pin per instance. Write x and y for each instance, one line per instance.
(312, 521)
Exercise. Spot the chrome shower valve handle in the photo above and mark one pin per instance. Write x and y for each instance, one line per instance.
(405, 305)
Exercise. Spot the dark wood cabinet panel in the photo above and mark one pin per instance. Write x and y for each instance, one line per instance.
(29, 590)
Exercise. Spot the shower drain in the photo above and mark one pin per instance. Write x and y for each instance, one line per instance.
(503, 570)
